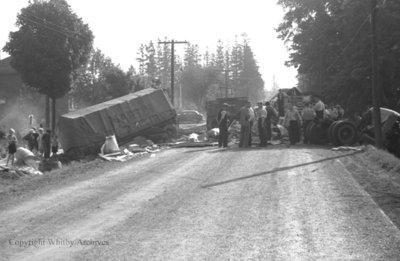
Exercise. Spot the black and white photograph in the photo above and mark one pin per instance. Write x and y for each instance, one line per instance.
(199, 130)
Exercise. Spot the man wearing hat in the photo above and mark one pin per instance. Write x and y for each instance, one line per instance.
(261, 115)
(223, 120)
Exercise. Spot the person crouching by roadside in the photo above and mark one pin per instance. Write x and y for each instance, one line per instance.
(293, 122)
(244, 120)
(308, 114)
(261, 115)
(46, 141)
(12, 145)
(223, 120)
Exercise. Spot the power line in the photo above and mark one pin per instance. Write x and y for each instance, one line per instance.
(43, 25)
(45, 22)
(63, 31)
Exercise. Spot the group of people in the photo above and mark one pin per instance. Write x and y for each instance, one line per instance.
(295, 120)
(38, 141)
(248, 116)
(264, 115)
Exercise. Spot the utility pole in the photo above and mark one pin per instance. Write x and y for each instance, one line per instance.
(376, 95)
(173, 64)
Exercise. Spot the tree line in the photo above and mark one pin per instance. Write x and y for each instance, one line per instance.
(198, 77)
(53, 52)
(330, 45)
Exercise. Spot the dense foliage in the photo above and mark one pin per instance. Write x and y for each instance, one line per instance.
(330, 46)
(50, 44)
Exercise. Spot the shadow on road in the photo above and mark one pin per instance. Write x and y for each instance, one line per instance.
(278, 170)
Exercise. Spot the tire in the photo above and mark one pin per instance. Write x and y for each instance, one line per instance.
(308, 131)
(331, 136)
(345, 133)
(319, 133)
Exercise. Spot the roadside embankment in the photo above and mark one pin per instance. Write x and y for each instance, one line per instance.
(378, 172)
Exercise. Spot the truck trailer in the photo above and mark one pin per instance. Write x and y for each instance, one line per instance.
(143, 113)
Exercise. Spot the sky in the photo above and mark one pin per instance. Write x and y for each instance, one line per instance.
(121, 26)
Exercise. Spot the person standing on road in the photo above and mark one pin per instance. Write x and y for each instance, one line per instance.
(54, 145)
(12, 145)
(31, 140)
(223, 120)
(271, 114)
(281, 101)
(252, 120)
(293, 123)
(261, 115)
(319, 109)
(308, 115)
(244, 120)
(46, 141)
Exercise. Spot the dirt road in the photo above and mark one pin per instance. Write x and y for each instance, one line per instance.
(204, 204)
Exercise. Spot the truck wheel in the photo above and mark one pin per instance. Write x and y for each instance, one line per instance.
(308, 132)
(319, 133)
(331, 136)
(345, 133)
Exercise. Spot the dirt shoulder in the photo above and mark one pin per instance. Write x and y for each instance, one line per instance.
(15, 190)
(378, 172)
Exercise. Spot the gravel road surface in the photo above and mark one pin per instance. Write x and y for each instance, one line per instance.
(277, 203)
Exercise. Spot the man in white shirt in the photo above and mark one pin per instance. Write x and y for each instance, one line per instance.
(252, 120)
(319, 109)
(261, 115)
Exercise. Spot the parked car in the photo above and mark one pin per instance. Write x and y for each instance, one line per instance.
(190, 116)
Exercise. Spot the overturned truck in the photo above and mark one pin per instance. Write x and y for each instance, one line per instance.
(146, 113)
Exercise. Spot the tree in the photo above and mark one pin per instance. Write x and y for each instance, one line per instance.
(116, 82)
(251, 83)
(330, 47)
(236, 65)
(219, 56)
(89, 86)
(50, 44)
(196, 82)
(151, 63)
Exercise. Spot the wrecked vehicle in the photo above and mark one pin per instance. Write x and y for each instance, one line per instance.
(390, 125)
(147, 113)
(214, 106)
(190, 116)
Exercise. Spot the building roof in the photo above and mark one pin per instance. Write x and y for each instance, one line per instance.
(5, 66)
(292, 91)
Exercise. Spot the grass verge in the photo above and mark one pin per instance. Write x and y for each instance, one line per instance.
(378, 172)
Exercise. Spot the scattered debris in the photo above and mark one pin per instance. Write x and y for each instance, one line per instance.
(49, 164)
(142, 142)
(110, 145)
(213, 133)
(194, 137)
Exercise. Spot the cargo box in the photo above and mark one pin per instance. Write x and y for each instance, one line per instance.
(128, 116)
